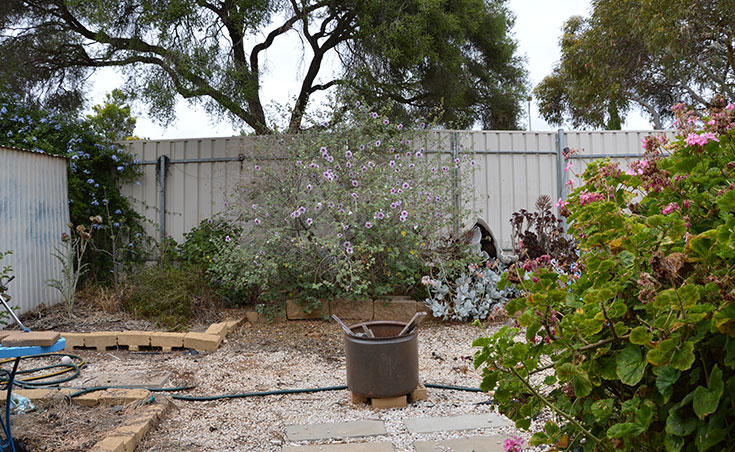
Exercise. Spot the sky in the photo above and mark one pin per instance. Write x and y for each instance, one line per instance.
(537, 29)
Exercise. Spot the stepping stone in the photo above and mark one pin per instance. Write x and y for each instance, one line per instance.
(354, 447)
(474, 444)
(334, 430)
(466, 422)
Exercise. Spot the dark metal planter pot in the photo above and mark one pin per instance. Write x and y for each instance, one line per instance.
(383, 366)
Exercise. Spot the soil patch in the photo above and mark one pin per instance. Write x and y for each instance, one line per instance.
(60, 426)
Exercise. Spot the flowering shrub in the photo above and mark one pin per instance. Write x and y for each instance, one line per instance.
(640, 348)
(353, 211)
(96, 166)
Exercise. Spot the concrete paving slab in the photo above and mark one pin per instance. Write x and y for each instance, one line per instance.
(131, 378)
(474, 444)
(444, 423)
(354, 447)
(334, 430)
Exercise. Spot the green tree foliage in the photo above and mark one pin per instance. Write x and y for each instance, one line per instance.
(420, 53)
(96, 167)
(645, 54)
(112, 119)
(634, 349)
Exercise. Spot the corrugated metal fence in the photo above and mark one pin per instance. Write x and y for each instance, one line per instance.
(34, 212)
(515, 169)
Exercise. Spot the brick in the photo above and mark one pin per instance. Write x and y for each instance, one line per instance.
(358, 399)
(119, 396)
(138, 430)
(217, 329)
(101, 340)
(419, 393)
(421, 307)
(73, 340)
(110, 444)
(134, 339)
(167, 341)
(232, 324)
(352, 309)
(256, 317)
(90, 399)
(295, 311)
(394, 309)
(202, 342)
(31, 338)
(35, 395)
(389, 402)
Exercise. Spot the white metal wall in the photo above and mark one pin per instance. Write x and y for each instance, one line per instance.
(34, 212)
(515, 167)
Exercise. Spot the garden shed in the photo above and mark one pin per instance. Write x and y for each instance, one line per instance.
(34, 212)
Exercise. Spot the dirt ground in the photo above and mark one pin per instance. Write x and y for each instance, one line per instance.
(256, 357)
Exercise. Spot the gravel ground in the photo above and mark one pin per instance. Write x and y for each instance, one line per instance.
(304, 354)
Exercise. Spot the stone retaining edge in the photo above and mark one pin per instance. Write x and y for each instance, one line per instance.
(101, 340)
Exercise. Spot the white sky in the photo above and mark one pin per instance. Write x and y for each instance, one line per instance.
(538, 29)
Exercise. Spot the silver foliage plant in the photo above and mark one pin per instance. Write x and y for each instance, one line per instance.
(474, 294)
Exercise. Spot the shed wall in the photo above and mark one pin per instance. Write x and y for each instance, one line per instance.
(34, 212)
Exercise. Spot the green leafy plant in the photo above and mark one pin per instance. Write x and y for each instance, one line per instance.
(71, 257)
(637, 351)
(169, 295)
(352, 211)
(5, 272)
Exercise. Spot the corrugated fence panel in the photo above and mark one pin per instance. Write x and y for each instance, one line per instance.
(34, 212)
(515, 167)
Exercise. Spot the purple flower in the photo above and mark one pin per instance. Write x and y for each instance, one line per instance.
(380, 215)
(393, 205)
(228, 239)
(313, 165)
(392, 191)
(472, 163)
(392, 163)
(364, 168)
(400, 190)
(374, 115)
(347, 165)
(349, 250)
(257, 168)
(256, 221)
(371, 165)
(408, 154)
(362, 147)
(331, 204)
(357, 104)
(318, 206)
(386, 121)
(348, 154)
(377, 143)
(399, 126)
(309, 187)
(433, 170)
(368, 224)
(354, 183)
(456, 160)
(411, 165)
(354, 195)
(445, 168)
(323, 150)
(309, 221)
(347, 244)
(404, 213)
(405, 185)
(302, 209)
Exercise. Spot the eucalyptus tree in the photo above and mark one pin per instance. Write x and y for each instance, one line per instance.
(456, 57)
(645, 54)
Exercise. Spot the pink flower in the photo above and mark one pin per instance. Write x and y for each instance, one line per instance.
(560, 203)
(514, 444)
(569, 165)
(700, 140)
(570, 183)
(368, 224)
(730, 106)
(588, 198)
(670, 208)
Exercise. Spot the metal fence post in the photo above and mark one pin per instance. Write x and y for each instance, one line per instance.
(454, 140)
(560, 175)
(162, 167)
